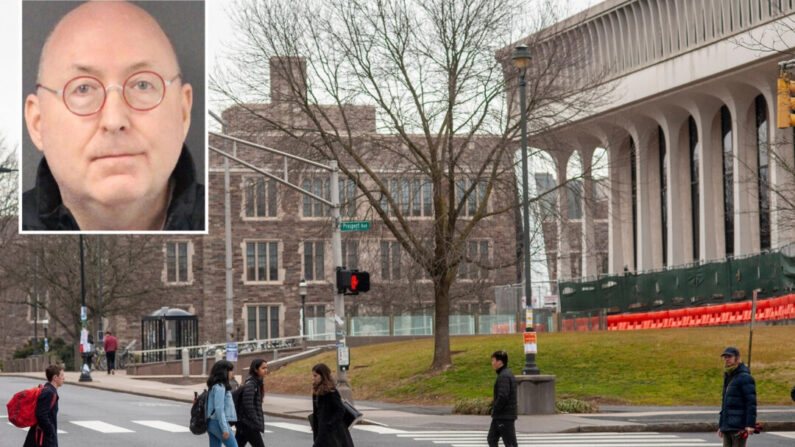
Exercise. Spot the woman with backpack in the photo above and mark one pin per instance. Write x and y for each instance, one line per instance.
(328, 428)
(220, 406)
(248, 400)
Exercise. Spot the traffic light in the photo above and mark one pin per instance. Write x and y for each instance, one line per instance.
(351, 282)
(785, 101)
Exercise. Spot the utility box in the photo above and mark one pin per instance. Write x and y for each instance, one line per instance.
(535, 394)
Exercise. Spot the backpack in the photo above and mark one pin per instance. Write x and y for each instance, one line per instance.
(22, 407)
(198, 414)
(237, 397)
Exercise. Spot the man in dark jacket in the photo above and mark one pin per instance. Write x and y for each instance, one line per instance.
(738, 408)
(45, 432)
(504, 407)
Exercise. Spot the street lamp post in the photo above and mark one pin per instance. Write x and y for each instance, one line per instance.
(521, 58)
(302, 292)
(85, 373)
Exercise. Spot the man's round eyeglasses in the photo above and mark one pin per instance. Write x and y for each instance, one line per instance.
(86, 95)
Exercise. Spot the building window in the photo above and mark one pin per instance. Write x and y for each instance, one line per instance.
(694, 178)
(412, 196)
(315, 319)
(322, 188)
(390, 261)
(260, 197)
(314, 261)
(763, 173)
(473, 200)
(474, 266)
(177, 261)
(350, 254)
(37, 311)
(262, 322)
(574, 197)
(262, 261)
(728, 179)
(633, 170)
(663, 194)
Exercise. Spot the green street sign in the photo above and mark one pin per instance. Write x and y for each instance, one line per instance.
(362, 225)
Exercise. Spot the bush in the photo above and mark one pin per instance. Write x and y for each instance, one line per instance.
(59, 348)
(575, 406)
(477, 405)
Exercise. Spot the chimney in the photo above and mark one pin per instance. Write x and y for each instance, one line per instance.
(288, 79)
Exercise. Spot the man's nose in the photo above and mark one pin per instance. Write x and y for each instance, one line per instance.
(115, 112)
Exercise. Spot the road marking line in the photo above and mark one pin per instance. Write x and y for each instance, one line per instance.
(785, 434)
(377, 429)
(102, 427)
(579, 444)
(165, 426)
(289, 426)
(60, 432)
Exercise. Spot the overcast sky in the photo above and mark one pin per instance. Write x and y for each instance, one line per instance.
(219, 30)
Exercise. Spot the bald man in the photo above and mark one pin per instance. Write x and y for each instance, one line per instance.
(110, 114)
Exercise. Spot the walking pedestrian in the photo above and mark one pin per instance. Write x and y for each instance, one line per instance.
(251, 421)
(328, 430)
(504, 408)
(220, 406)
(110, 345)
(738, 406)
(45, 432)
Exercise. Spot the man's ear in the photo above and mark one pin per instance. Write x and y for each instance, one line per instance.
(186, 104)
(33, 119)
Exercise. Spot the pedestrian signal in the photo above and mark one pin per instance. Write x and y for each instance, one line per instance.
(351, 282)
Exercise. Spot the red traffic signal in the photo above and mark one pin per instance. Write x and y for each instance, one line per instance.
(351, 282)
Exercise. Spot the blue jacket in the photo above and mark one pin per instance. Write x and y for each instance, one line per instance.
(221, 407)
(738, 408)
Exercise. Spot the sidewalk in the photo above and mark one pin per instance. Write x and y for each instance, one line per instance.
(612, 418)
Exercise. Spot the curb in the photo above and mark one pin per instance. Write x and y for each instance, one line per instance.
(695, 427)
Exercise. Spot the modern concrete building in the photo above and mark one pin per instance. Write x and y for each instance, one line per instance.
(698, 169)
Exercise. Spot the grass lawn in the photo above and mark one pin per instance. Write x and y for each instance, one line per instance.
(650, 367)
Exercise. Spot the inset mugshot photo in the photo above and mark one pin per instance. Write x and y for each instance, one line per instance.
(114, 116)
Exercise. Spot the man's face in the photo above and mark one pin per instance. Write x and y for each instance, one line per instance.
(57, 381)
(118, 155)
(496, 364)
(730, 360)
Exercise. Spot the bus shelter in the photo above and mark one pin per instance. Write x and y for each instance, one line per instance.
(165, 331)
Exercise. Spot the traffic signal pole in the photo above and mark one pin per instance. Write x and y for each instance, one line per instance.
(343, 386)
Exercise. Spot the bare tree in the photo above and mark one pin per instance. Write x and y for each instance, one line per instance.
(427, 74)
(50, 265)
(9, 196)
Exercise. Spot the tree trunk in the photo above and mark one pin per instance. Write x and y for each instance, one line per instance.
(441, 327)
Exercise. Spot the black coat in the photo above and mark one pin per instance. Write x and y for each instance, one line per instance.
(250, 413)
(738, 406)
(46, 428)
(504, 406)
(43, 208)
(331, 430)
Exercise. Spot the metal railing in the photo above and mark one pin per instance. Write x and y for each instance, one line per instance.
(215, 349)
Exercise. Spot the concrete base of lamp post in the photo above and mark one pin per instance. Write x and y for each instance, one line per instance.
(535, 394)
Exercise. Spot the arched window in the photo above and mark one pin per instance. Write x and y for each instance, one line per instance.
(694, 198)
(728, 179)
(663, 194)
(763, 172)
(634, 177)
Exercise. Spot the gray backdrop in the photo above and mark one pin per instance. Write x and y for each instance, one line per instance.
(183, 22)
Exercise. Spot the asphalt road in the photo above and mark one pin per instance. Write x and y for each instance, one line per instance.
(95, 417)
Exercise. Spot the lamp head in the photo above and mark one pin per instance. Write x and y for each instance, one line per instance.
(302, 287)
(522, 57)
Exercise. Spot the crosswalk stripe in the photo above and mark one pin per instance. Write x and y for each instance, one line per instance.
(60, 432)
(378, 429)
(165, 426)
(785, 434)
(620, 444)
(289, 426)
(102, 427)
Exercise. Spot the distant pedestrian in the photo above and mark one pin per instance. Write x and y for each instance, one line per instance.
(111, 344)
(45, 432)
(792, 394)
(328, 430)
(220, 406)
(504, 408)
(251, 421)
(738, 407)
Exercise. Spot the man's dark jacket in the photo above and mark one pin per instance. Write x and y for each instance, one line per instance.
(504, 406)
(738, 409)
(43, 208)
(46, 428)
(250, 413)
